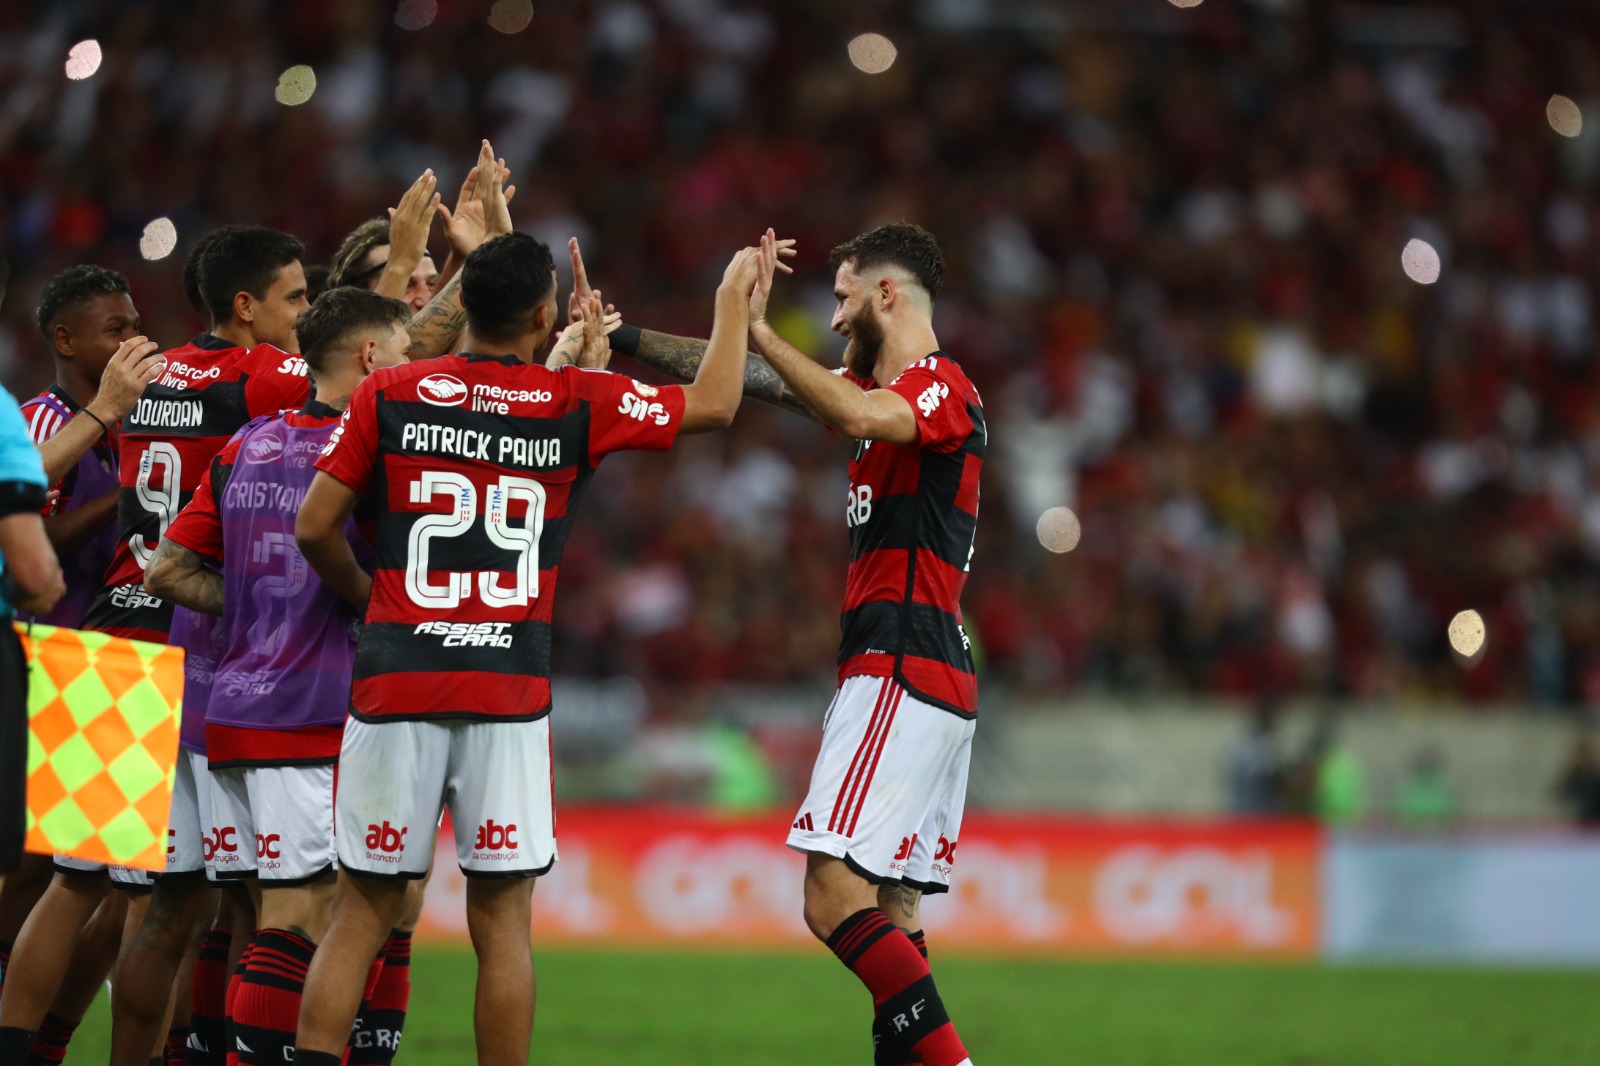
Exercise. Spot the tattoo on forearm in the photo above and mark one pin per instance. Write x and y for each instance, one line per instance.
(680, 357)
(436, 327)
(187, 580)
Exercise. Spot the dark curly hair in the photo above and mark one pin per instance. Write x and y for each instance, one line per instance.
(72, 287)
(901, 244)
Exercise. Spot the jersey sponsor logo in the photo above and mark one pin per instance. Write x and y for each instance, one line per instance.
(386, 838)
(497, 400)
(932, 397)
(267, 846)
(442, 390)
(495, 837)
(468, 634)
(946, 851)
(224, 838)
(263, 448)
(639, 410)
(645, 390)
(906, 844)
(858, 512)
(133, 597)
(294, 365)
(167, 414)
(199, 373)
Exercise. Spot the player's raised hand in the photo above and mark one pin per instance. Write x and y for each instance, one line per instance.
(135, 364)
(743, 271)
(770, 261)
(464, 225)
(580, 283)
(492, 177)
(596, 348)
(412, 218)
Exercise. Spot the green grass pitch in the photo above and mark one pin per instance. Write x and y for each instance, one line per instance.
(688, 1009)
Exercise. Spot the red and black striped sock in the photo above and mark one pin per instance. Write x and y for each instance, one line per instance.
(50, 1043)
(904, 995)
(208, 1023)
(178, 1047)
(383, 1016)
(234, 981)
(266, 1008)
(886, 1051)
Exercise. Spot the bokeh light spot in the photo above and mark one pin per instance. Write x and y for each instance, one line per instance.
(296, 85)
(1467, 633)
(511, 16)
(1564, 116)
(159, 239)
(83, 60)
(1420, 262)
(416, 14)
(1059, 530)
(873, 53)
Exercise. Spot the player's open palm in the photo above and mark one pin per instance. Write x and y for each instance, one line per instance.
(412, 218)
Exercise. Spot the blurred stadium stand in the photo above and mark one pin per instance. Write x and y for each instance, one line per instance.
(1174, 240)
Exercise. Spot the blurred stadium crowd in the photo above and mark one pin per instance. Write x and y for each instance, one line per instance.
(1174, 240)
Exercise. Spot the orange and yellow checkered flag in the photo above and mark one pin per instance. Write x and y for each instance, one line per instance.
(102, 745)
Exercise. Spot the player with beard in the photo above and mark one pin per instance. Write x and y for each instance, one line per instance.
(880, 823)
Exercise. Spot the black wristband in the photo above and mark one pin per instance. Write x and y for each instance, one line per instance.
(625, 339)
(105, 428)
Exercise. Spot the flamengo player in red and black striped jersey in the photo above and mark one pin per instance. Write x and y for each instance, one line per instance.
(880, 823)
(478, 461)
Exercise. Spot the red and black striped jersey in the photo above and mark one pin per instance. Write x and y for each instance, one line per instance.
(210, 389)
(93, 476)
(475, 466)
(912, 515)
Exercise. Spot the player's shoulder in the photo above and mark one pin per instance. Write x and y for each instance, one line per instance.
(947, 371)
(441, 382)
(269, 358)
(45, 414)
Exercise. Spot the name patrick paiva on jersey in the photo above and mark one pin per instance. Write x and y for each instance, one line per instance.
(476, 444)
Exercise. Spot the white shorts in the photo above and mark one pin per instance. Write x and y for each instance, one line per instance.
(889, 786)
(495, 779)
(191, 808)
(280, 821)
(125, 876)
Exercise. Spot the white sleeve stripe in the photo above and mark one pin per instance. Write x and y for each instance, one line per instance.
(45, 424)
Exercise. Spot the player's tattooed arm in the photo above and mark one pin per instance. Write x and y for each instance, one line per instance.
(178, 574)
(435, 328)
(679, 357)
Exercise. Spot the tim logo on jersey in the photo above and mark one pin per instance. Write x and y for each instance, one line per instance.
(442, 390)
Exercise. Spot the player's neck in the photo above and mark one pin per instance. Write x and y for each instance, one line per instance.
(334, 390)
(902, 348)
(470, 342)
(236, 333)
(75, 384)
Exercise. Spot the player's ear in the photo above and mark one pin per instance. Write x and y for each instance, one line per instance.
(62, 338)
(244, 306)
(367, 355)
(886, 293)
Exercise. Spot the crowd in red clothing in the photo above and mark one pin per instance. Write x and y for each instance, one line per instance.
(1174, 242)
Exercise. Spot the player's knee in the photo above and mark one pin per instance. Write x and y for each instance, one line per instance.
(499, 910)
